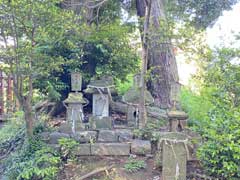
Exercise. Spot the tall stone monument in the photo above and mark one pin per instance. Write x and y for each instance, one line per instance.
(101, 90)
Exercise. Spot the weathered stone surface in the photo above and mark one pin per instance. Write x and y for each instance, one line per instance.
(172, 136)
(124, 135)
(156, 112)
(100, 123)
(140, 147)
(55, 136)
(107, 136)
(177, 115)
(132, 116)
(133, 96)
(174, 160)
(82, 150)
(100, 105)
(104, 123)
(85, 136)
(75, 112)
(177, 125)
(75, 98)
(67, 128)
(110, 149)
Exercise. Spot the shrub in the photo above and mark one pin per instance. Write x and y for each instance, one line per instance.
(133, 165)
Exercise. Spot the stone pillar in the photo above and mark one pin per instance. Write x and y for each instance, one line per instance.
(174, 160)
(100, 105)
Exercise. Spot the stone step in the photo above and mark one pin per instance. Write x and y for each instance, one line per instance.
(102, 149)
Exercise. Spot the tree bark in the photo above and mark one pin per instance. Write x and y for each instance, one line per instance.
(142, 108)
(161, 59)
(27, 108)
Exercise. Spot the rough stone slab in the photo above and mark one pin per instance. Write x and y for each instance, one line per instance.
(140, 147)
(85, 136)
(174, 162)
(124, 135)
(55, 136)
(104, 123)
(110, 149)
(82, 150)
(107, 136)
(170, 135)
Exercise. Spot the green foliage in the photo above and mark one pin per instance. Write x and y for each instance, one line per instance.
(123, 86)
(214, 112)
(134, 165)
(197, 106)
(201, 13)
(12, 127)
(220, 154)
(67, 145)
(35, 160)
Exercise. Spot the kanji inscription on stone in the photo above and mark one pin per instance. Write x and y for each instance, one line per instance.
(76, 81)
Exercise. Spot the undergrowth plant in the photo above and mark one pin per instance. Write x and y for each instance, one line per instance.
(67, 145)
(134, 165)
(35, 160)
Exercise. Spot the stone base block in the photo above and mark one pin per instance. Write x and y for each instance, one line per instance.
(124, 135)
(55, 136)
(67, 128)
(140, 147)
(85, 136)
(100, 123)
(82, 150)
(110, 149)
(107, 136)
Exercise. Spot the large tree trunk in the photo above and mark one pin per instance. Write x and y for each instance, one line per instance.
(161, 63)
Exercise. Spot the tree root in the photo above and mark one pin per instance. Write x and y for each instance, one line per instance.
(94, 172)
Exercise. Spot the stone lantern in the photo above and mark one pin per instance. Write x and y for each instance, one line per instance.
(74, 103)
(177, 118)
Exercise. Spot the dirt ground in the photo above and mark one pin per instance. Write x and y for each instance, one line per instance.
(73, 171)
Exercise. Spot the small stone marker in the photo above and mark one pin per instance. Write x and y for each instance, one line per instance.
(174, 160)
(172, 155)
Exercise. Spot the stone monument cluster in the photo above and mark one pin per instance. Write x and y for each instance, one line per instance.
(100, 136)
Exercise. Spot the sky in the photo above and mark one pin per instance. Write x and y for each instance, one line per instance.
(222, 33)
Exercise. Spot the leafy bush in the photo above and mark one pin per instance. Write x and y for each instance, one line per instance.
(133, 165)
(215, 114)
(67, 145)
(197, 106)
(220, 154)
(12, 126)
(34, 161)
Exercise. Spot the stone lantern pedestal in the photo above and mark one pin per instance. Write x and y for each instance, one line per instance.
(74, 104)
